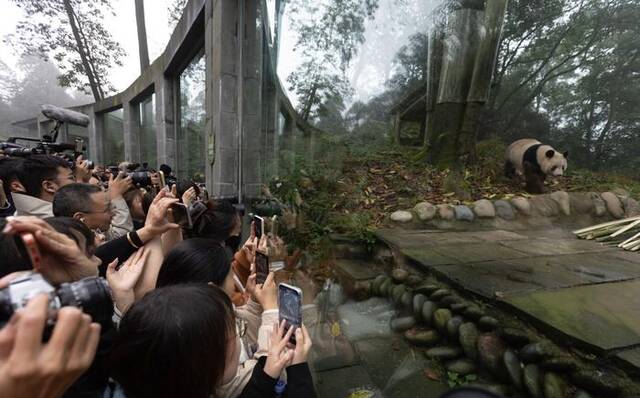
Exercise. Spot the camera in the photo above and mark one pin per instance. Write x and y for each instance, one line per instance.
(91, 295)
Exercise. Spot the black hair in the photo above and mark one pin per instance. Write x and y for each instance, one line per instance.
(131, 195)
(9, 172)
(217, 221)
(173, 343)
(73, 198)
(38, 168)
(195, 260)
(183, 186)
(147, 199)
(67, 225)
(12, 259)
(165, 168)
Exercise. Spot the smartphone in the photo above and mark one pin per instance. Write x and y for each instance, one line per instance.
(181, 215)
(163, 182)
(259, 225)
(28, 249)
(290, 307)
(262, 267)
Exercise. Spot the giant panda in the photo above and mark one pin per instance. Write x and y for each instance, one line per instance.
(535, 161)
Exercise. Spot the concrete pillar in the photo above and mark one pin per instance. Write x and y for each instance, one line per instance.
(131, 126)
(253, 138)
(165, 121)
(221, 124)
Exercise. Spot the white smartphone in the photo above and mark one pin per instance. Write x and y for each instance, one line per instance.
(290, 307)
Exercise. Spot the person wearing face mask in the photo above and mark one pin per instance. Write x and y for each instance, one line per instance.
(200, 260)
(180, 341)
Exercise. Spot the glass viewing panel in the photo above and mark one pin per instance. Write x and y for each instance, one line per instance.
(191, 135)
(148, 141)
(113, 138)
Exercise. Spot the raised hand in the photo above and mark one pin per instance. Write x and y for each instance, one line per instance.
(118, 185)
(265, 293)
(279, 356)
(81, 171)
(189, 196)
(157, 221)
(303, 346)
(123, 280)
(62, 259)
(31, 368)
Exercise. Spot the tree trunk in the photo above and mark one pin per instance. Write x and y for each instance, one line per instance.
(306, 109)
(82, 51)
(458, 61)
(481, 79)
(434, 66)
(142, 35)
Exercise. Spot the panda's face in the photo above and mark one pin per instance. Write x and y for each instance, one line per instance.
(554, 163)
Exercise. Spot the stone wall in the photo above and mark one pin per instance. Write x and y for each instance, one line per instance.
(559, 205)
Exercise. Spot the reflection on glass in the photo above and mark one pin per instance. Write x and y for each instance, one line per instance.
(271, 10)
(148, 149)
(113, 138)
(191, 135)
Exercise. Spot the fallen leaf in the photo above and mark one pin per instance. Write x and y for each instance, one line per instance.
(432, 374)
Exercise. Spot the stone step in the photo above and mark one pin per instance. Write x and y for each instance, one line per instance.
(355, 276)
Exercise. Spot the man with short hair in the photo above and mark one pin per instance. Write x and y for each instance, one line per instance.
(84, 202)
(97, 209)
(41, 176)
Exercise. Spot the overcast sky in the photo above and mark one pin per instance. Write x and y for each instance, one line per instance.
(122, 27)
(385, 35)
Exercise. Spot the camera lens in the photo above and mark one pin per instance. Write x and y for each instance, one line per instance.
(6, 309)
(19, 151)
(141, 178)
(91, 294)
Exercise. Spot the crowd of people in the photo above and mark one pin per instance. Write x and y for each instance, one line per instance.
(186, 314)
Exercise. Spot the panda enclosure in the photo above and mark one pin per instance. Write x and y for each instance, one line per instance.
(562, 73)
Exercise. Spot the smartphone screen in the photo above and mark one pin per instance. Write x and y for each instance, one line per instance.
(290, 306)
(28, 249)
(259, 225)
(181, 215)
(262, 267)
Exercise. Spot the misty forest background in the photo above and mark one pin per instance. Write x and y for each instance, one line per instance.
(567, 71)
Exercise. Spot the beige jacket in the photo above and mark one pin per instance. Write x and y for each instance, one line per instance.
(258, 334)
(31, 206)
(121, 222)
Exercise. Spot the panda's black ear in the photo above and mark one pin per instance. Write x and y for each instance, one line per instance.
(550, 153)
(566, 154)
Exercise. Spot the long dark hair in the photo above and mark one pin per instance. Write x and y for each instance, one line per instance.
(173, 343)
(217, 221)
(195, 260)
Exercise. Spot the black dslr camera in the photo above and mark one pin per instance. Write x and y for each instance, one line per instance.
(91, 295)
